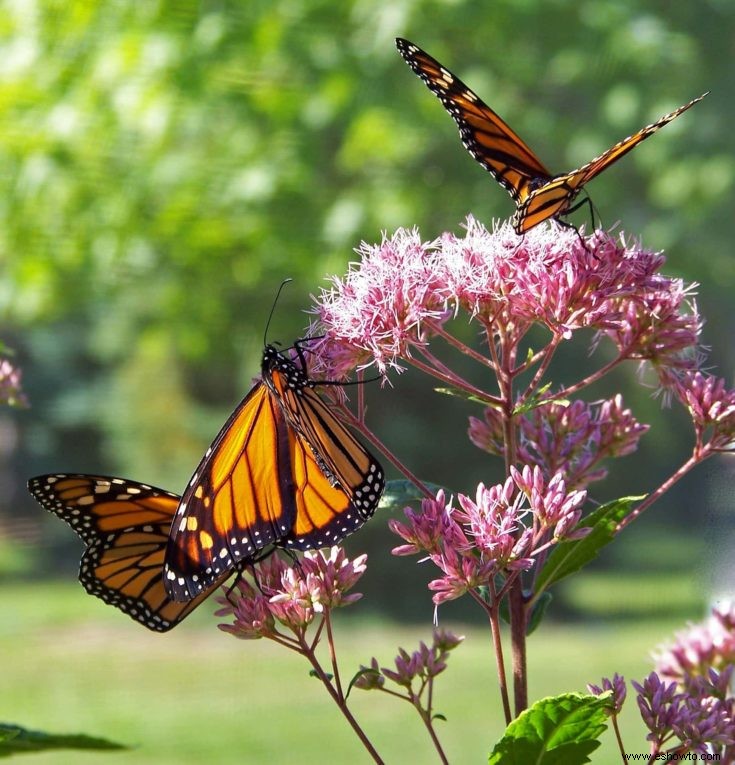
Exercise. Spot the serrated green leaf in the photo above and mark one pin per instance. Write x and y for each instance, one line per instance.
(559, 730)
(402, 492)
(17, 740)
(568, 557)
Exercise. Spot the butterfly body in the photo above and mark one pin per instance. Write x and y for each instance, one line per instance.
(125, 526)
(539, 195)
(282, 471)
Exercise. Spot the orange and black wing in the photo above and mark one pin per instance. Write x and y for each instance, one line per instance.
(485, 135)
(125, 526)
(239, 500)
(554, 197)
(339, 455)
(264, 483)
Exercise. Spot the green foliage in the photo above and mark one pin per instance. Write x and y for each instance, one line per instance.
(17, 740)
(561, 730)
(571, 556)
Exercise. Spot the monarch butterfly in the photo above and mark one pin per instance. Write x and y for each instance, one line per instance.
(125, 526)
(538, 194)
(282, 471)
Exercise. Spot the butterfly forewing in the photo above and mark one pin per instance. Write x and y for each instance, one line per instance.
(239, 501)
(487, 137)
(125, 526)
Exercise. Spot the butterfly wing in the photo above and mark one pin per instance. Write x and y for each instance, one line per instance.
(125, 527)
(265, 482)
(487, 137)
(239, 500)
(339, 455)
(555, 197)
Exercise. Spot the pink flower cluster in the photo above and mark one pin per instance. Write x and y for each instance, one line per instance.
(424, 664)
(291, 596)
(404, 288)
(711, 405)
(698, 720)
(500, 531)
(699, 648)
(571, 438)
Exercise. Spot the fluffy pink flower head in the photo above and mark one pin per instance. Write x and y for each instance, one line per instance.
(404, 289)
(710, 404)
(382, 304)
(291, 595)
(498, 531)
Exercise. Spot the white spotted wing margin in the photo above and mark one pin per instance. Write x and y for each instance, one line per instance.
(125, 527)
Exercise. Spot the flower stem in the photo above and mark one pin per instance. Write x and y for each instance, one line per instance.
(435, 370)
(493, 616)
(694, 460)
(340, 702)
(333, 656)
(458, 344)
(383, 449)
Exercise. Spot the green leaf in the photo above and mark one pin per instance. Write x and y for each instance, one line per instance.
(17, 740)
(559, 730)
(314, 673)
(568, 557)
(538, 610)
(457, 393)
(538, 400)
(401, 492)
(360, 673)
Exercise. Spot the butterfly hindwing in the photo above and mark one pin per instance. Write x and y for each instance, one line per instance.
(125, 526)
(539, 196)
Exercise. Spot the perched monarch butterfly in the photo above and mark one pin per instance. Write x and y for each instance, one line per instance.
(538, 194)
(125, 526)
(282, 471)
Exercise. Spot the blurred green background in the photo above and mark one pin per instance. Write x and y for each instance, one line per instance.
(163, 166)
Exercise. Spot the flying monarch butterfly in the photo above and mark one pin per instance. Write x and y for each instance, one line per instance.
(125, 526)
(538, 194)
(282, 471)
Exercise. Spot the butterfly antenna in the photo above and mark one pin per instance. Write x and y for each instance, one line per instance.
(273, 308)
